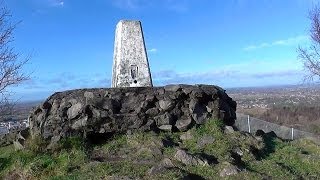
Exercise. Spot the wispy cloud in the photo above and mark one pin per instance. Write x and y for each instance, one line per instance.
(130, 4)
(229, 78)
(41, 7)
(69, 81)
(133, 5)
(274, 74)
(236, 75)
(248, 73)
(180, 6)
(56, 3)
(153, 50)
(285, 42)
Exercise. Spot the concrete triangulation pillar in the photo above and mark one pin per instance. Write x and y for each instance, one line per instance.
(130, 60)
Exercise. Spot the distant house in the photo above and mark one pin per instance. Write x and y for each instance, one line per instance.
(14, 125)
(5, 127)
(4, 130)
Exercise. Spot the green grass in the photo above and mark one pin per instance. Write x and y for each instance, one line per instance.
(297, 159)
(222, 143)
(168, 174)
(118, 141)
(169, 151)
(40, 165)
(263, 157)
(315, 128)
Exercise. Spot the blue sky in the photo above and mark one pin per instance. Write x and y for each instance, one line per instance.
(230, 43)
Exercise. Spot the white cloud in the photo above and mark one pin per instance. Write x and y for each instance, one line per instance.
(61, 3)
(153, 50)
(285, 42)
(56, 3)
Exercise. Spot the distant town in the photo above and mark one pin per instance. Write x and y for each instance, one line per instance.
(18, 118)
(267, 97)
(6, 127)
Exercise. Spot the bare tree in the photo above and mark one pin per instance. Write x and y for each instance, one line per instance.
(311, 56)
(11, 63)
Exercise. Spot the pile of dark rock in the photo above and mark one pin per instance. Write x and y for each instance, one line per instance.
(101, 111)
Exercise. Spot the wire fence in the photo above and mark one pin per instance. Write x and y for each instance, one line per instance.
(252, 125)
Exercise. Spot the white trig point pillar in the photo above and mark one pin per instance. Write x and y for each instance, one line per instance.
(130, 60)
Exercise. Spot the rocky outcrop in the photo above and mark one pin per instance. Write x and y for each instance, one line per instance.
(188, 159)
(110, 110)
(229, 170)
(16, 137)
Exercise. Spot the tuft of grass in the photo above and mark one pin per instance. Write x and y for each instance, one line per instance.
(168, 174)
(127, 168)
(105, 169)
(41, 165)
(143, 140)
(5, 165)
(288, 160)
(36, 144)
(117, 142)
(206, 172)
(23, 158)
(221, 146)
(315, 129)
(75, 142)
(169, 151)
(70, 161)
(5, 158)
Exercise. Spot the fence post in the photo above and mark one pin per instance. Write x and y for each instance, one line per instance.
(249, 124)
(291, 133)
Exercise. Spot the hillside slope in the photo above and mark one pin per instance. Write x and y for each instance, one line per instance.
(209, 151)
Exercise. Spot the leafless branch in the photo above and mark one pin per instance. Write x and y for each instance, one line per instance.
(11, 63)
(311, 56)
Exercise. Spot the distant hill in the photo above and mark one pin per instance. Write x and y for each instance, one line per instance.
(21, 110)
(293, 105)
